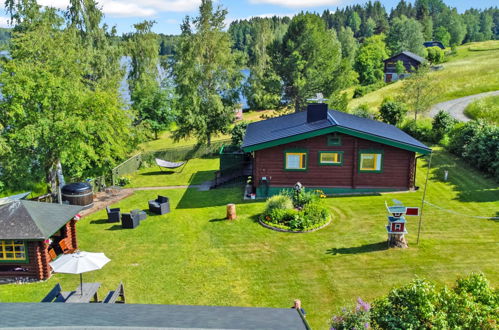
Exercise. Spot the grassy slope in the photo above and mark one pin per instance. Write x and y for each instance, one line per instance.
(467, 73)
(165, 140)
(196, 171)
(191, 256)
(486, 109)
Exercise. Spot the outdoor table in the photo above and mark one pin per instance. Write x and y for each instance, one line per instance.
(89, 292)
(141, 214)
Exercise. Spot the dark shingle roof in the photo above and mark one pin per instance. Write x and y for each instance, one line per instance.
(295, 125)
(99, 316)
(408, 54)
(22, 219)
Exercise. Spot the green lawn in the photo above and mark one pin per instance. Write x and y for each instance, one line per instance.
(486, 109)
(165, 140)
(475, 69)
(195, 171)
(193, 256)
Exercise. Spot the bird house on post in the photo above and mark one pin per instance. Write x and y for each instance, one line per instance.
(396, 225)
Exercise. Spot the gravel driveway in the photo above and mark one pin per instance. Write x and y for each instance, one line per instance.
(456, 107)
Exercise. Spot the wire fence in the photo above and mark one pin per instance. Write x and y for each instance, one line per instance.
(145, 159)
(185, 152)
(129, 166)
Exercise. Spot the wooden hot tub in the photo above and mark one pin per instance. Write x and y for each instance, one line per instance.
(78, 193)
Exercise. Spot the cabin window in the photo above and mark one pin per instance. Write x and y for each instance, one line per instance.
(333, 140)
(12, 250)
(295, 160)
(397, 226)
(370, 161)
(330, 158)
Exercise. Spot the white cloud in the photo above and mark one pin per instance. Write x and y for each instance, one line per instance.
(4, 22)
(133, 8)
(297, 3)
(171, 21)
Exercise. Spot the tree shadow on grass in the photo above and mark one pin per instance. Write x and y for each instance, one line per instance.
(99, 221)
(158, 173)
(116, 227)
(218, 220)
(373, 247)
(461, 178)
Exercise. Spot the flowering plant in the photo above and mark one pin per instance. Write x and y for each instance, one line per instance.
(357, 318)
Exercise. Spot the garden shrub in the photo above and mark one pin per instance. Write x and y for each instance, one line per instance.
(297, 210)
(392, 112)
(420, 129)
(442, 124)
(470, 304)
(237, 133)
(478, 144)
(435, 55)
(363, 111)
(358, 318)
(280, 201)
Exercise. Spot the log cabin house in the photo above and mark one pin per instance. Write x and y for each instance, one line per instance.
(30, 237)
(410, 61)
(332, 151)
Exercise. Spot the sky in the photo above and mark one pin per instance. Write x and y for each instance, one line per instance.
(168, 14)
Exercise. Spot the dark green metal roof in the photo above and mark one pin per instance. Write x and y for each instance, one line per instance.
(22, 219)
(105, 316)
(294, 127)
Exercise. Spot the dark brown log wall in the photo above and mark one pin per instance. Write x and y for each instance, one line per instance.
(398, 165)
(38, 266)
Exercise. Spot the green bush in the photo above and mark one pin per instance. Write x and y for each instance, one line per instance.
(358, 318)
(478, 144)
(442, 125)
(363, 111)
(280, 201)
(237, 133)
(123, 181)
(470, 304)
(435, 55)
(392, 112)
(420, 129)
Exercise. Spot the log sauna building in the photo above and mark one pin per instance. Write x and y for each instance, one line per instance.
(31, 235)
(332, 151)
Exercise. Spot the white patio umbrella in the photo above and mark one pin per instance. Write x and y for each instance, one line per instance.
(78, 263)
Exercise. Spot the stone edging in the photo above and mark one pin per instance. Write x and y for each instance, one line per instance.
(294, 231)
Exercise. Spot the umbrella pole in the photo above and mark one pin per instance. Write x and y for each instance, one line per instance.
(81, 284)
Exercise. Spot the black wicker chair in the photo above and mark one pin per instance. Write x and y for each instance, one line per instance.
(129, 220)
(113, 215)
(140, 214)
(160, 205)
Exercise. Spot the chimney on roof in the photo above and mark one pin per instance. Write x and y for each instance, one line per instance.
(318, 110)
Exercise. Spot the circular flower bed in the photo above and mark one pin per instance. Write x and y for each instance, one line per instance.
(297, 211)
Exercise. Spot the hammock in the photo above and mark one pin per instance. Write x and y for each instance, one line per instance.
(167, 164)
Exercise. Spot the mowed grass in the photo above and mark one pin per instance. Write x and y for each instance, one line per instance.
(474, 70)
(195, 171)
(193, 256)
(166, 141)
(486, 109)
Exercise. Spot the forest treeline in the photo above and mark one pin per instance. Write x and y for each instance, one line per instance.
(366, 34)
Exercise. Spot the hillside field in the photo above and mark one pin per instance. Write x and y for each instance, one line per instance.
(473, 70)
